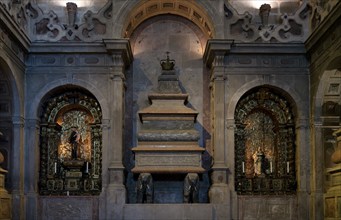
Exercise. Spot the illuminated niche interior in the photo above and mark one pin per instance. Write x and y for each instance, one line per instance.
(80, 118)
(265, 143)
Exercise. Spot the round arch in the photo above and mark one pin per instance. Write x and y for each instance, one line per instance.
(286, 89)
(128, 19)
(33, 110)
(17, 91)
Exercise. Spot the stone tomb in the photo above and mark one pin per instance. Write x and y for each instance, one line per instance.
(167, 140)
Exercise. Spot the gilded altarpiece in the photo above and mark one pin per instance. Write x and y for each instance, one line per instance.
(70, 167)
(264, 144)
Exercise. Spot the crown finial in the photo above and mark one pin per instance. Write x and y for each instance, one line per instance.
(167, 64)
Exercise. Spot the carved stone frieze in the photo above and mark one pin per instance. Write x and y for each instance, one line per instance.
(48, 26)
(245, 28)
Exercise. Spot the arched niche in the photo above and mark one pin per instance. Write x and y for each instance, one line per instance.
(265, 143)
(61, 173)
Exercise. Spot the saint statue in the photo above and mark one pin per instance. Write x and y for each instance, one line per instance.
(74, 141)
(259, 161)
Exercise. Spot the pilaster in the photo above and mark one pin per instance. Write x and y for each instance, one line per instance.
(121, 58)
(31, 166)
(18, 207)
(317, 168)
(303, 167)
(214, 58)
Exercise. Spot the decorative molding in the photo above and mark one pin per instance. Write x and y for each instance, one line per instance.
(244, 27)
(47, 26)
(216, 48)
(120, 50)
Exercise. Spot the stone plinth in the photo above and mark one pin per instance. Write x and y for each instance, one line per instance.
(174, 211)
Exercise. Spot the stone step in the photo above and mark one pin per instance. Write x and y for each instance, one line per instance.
(173, 211)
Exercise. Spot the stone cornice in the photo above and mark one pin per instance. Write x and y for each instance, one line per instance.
(66, 48)
(268, 48)
(216, 47)
(120, 47)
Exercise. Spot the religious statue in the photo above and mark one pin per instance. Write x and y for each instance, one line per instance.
(74, 141)
(258, 158)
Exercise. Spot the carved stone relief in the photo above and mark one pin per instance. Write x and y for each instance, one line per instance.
(319, 10)
(265, 149)
(49, 27)
(244, 27)
(18, 11)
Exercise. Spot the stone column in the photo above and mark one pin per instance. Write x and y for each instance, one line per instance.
(214, 58)
(31, 166)
(120, 51)
(18, 168)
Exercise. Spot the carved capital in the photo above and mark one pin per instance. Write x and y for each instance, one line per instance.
(18, 121)
(302, 123)
(219, 175)
(218, 74)
(120, 50)
(215, 52)
(230, 124)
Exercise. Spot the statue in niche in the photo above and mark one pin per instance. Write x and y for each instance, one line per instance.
(76, 135)
(258, 158)
(191, 188)
(145, 189)
(260, 142)
(74, 141)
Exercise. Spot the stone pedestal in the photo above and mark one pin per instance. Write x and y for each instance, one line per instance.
(73, 174)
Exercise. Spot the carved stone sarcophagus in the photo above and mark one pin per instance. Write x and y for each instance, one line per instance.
(167, 140)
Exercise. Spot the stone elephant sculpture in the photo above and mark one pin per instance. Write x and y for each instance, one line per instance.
(191, 188)
(145, 188)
